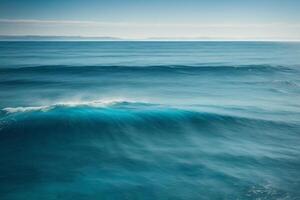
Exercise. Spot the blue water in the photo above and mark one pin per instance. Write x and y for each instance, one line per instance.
(149, 120)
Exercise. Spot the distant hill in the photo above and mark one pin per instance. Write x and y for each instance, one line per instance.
(55, 38)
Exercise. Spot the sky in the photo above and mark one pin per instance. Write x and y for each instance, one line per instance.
(141, 19)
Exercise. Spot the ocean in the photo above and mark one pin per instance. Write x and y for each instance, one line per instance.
(149, 120)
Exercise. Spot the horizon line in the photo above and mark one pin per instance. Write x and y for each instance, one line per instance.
(112, 38)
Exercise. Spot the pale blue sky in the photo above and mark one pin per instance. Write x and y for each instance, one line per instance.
(223, 19)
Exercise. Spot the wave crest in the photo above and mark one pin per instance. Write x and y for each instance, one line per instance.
(96, 104)
(148, 68)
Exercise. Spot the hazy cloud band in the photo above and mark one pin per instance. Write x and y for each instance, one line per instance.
(165, 25)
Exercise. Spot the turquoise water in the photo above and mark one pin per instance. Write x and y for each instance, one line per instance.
(149, 120)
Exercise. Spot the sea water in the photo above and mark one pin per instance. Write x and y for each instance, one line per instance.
(149, 120)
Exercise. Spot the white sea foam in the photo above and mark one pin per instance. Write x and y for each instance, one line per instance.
(98, 103)
(25, 109)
